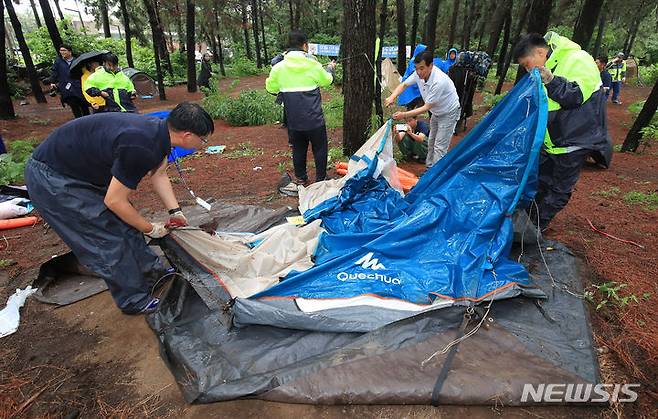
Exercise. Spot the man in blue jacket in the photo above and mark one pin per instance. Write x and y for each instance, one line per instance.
(69, 88)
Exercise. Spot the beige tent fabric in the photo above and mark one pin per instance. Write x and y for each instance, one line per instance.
(390, 75)
(245, 271)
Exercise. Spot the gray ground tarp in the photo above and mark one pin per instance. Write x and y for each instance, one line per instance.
(521, 340)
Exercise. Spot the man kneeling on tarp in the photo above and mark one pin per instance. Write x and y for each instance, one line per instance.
(412, 139)
(81, 177)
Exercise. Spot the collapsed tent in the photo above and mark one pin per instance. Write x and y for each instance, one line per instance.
(144, 85)
(356, 305)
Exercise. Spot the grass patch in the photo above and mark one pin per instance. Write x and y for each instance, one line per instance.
(608, 193)
(610, 294)
(250, 108)
(648, 200)
(489, 100)
(5, 263)
(244, 150)
(333, 110)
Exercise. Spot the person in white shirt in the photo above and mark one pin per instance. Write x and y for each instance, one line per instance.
(441, 100)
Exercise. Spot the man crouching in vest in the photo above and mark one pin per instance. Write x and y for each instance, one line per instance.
(576, 116)
(298, 77)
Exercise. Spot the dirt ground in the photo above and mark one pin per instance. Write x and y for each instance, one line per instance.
(88, 359)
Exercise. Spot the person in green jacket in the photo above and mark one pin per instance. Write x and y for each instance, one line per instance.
(577, 126)
(298, 77)
(115, 87)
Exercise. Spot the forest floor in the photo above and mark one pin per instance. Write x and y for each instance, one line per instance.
(90, 359)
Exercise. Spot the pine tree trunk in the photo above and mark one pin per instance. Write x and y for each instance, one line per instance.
(105, 18)
(126, 26)
(430, 34)
(219, 39)
(539, 16)
(243, 11)
(49, 20)
(6, 106)
(36, 13)
(179, 27)
(164, 52)
(254, 27)
(517, 35)
(25, 52)
(266, 58)
(358, 39)
(298, 6)
(633, 30)
(292, 17)
(453, 23)
(59, 10)
(155, 35)
(414, 27)
(466, 32)
(191, 49)
(496, 26)
(632, 141)
(484, 13)
(378, 63)
(500, 63)
(589, 16)
(599, 35)
(402, 33)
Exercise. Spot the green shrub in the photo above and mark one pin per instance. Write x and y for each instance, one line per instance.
(12, 164)
(489, 100)
(242, 67)
(251, 107)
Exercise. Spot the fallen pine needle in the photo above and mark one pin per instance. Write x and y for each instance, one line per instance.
(613, 237)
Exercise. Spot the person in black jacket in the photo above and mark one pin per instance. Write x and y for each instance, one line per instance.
(69, 88)
(205, 73)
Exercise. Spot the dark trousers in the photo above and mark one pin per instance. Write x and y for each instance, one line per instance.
(300, 140)
(558, 174)
(80, 107)
(616, 88)
(102, 242)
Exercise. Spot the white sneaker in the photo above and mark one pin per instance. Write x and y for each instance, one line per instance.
(291, 189)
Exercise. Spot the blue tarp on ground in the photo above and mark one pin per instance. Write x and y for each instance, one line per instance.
(450, 237)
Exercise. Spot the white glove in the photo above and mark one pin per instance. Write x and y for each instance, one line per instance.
(546, 75)
(177, 219)
(158, 231)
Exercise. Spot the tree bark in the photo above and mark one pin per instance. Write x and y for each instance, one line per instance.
(191, 50)
(503, 48)
(414, 27)
(179, 27)
(25, 52)
(517, 35)
(466, 31)
(155, 34)
(243, 11)
(298, 6)
(402, 33)
(36, 13)
(358, 40)
(453, 23)
(6, 105)
(496, 26)
(126, 27)
(430, 34)
(219, 38)
(639, 15)
(49, 20)
(162, 45)
(254, 27)
(584, 28)
(292, 16)
(599, 35)
(632, 141)
(105, 18)
(378, 63)
(482, 18)
(266, 58)
(539, 16)
(59, 10)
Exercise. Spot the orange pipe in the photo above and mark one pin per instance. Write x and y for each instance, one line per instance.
(18, 222)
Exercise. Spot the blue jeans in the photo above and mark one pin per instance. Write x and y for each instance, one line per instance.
(616, 88)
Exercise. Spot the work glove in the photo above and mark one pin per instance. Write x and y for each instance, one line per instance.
(177, 219)
(158, 231)
(546, 75)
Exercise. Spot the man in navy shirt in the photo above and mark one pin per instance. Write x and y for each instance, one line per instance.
(81, 177)
(412, 139)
